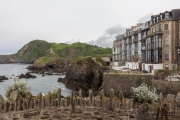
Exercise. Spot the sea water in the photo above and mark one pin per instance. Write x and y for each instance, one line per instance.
(39, 84)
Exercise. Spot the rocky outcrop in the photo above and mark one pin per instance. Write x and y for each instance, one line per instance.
(84, 74)
(3, 78)
(27, 75)
(59, 66)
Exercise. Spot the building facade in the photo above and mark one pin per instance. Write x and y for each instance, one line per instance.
(156, 43)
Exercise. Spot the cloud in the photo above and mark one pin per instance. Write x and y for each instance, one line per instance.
(106, 40)
(73, 41)
(144, 18)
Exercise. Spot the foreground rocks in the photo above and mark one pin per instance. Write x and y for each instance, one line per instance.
(3, 78)
(84, 74)
(58, 66)
(27, 75)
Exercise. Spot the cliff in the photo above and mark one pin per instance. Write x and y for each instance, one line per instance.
(84, 74)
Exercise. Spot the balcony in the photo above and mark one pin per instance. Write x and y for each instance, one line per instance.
(135, 40)
(155, 33)
(135, 32)
(143, 48)
(145, 27)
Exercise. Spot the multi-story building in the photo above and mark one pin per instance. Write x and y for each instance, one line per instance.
(156, 42)
(117, 49)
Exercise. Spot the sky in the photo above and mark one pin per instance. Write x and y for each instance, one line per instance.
(95, 22)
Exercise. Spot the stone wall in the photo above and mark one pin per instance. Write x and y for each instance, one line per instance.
(75, 107)
(166, 87)
(124, 82)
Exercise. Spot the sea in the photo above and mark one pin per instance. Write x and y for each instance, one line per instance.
(39, 84)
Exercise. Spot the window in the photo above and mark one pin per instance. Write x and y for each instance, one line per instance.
(155, 29)
(154, 20)
(160, 17)
(166, 66)
(166, 15)
(160, 42)
(157, 19)
(160, 55)
(166, 55)
(166, 40)
(160, 27)
(165, 26)
(114, 49)
(154, 41)
(152, 30)
(155, 55)
(173, 66)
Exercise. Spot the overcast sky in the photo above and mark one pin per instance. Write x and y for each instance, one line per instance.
(66, 21)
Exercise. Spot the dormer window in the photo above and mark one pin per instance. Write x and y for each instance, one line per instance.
(154, 20)
(166, 15)
(157, 19)
(161, 17)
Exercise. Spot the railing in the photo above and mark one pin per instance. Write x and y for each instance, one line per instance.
(143, 48)
(155, 33)
(135, 40)
(145, 27)
(135, 32)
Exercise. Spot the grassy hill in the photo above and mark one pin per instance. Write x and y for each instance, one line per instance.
(40, 48)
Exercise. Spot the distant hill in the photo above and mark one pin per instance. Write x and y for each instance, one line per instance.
(40, 48)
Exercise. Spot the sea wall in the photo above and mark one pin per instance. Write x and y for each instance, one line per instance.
(124, 82)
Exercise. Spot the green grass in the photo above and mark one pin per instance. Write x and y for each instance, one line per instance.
(45, 60)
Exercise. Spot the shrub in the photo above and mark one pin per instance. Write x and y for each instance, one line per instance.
(144, 93)
(54, 93)
(21, 87)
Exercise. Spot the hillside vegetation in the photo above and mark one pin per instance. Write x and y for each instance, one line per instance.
(79, 49)
(39, 48)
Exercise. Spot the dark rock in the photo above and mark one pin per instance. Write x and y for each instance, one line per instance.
(3, 78)
(58, 66)
(63, 80)
(84, 74)
(27, 75)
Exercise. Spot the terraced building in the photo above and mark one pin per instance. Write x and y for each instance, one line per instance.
(156, 43)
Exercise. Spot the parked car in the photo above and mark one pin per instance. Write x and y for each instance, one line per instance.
(144, 71)
(125, 69)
